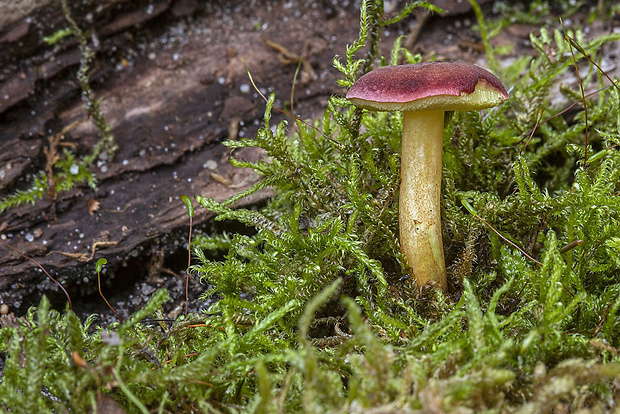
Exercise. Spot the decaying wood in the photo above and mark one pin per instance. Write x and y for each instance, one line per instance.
(159, 73)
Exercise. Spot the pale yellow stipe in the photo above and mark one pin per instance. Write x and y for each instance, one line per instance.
(420, 191)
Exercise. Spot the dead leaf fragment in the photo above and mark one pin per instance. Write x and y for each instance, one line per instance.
(78, 360)
(92, 206)
(220, 179)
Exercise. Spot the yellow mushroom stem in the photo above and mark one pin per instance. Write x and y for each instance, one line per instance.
(420, 191)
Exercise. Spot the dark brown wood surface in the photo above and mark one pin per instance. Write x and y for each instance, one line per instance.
(173, 86)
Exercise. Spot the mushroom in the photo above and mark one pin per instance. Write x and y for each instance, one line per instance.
(424, 91)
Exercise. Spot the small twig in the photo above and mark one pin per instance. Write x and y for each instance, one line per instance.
(538, 118)
(600, 325)
(566, 248)
(473, 213)
(514, 303)
(508, 241)
(581, 50)
(574, 44)
(571, 245)
(40, 267)
(568, 108)
(286, 57)
(520, 249)
(83, 257)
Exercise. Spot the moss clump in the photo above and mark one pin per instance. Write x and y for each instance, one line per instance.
(314, 313)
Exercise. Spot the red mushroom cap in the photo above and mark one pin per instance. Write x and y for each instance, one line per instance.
(449, 86)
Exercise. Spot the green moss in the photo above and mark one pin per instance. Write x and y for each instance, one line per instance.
(64, 169)
(315, 312)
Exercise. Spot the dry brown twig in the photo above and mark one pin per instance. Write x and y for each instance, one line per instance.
(289, 58)
(84, 257)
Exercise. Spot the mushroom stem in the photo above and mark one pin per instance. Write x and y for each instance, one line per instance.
(420, 188)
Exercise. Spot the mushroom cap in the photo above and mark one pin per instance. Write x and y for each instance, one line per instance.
(448, 86)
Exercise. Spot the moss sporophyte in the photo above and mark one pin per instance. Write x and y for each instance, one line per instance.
(424, 91)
